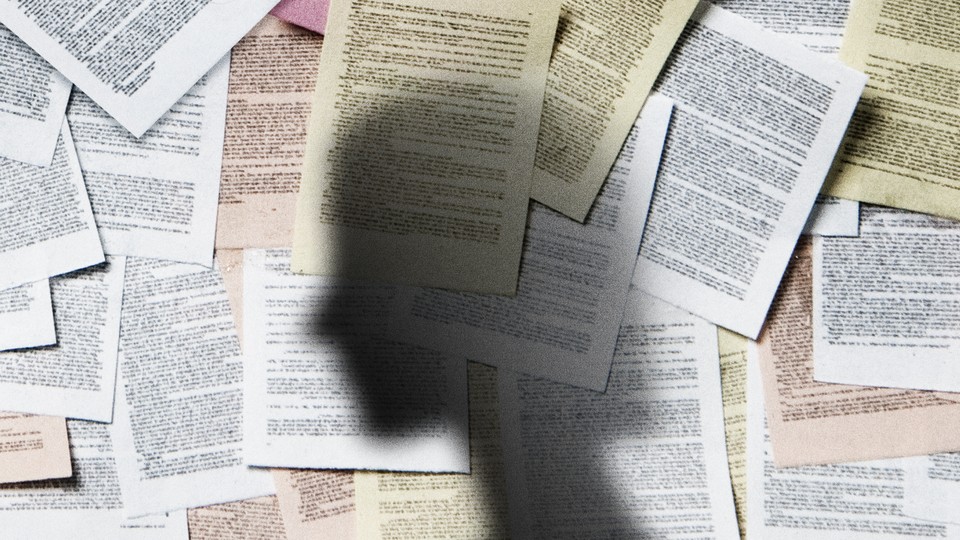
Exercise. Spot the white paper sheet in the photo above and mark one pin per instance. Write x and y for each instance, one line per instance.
(325, 389)
(26, 317)
(932, 488)
(756, 123)
(156, 196)
(134, 59)
(76, 377)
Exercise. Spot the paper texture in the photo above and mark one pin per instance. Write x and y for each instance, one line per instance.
(579, 463)
(317, 505)
(74, 378)
(88, 505)
(243, 520)
(311, 14)
(273, 71)
(133, 59)
(885, 304)
(33, 448)
(46, 226)
(26, 316)
(901, 148)
(422, 140)
(179, 421)
(750, 142)
(156, 196)
(862, 501)
(932, 488)
(605, 60)
(327, 390)
(33, 97)
(562, 324)
(405, 506)
(733, 377)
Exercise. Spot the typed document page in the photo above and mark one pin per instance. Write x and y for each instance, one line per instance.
(316, 505)
(325, 387)
(242, 520)
(605, 60)
(33, 448)
(422, 140)
(562, 324)
(134, 59)
(932, 489)
(756, 122)
(581, 463)
(733, 377)
(26, 316)
(886, 304)
(33, 97)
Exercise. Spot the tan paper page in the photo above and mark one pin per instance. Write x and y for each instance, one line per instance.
(815, 423)
(413, 506)
(421, 146)
(272, 75)
(902, 146)
(606, 58)
(317, 505)
(33, 448)
(733, 377)
(253, 519)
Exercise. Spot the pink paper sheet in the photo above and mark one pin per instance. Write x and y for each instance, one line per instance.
(310, 14)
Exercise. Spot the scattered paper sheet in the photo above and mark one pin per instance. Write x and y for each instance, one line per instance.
(89, 504)
(273, 72)
(562, 324)
(26, 317)
(886, 304)
(605, 60)
(243, 520)
(133, 59)
(317, 505)
(932, 488)
(46, 225)
(179, 422)
(833, 217)
(327, 390)
(421, 144)
(33, 448)
(750, 142)
(579, 463)
(310, 14)
(33, 97)
(901, 148)
(156, 196)
(733, 376)
(409, 507)
(74, 378)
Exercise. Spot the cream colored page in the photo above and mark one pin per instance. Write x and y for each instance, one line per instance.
(273, 72)
(606, 58)
(33, 448)
(413, 506)
(317, 505)
(252, 519)
(421, 144)
(733, 378)
(901, 149)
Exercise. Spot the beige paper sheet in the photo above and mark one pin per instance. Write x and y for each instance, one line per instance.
(814, 423)
(253, 519)
(273, 72)
(606, 58)
(317, 505)
(733, 377)
(421, 145)
(902, 146)
(413, 506)
(33, 448)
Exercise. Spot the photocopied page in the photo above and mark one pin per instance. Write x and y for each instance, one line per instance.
(33, 97)
(756, 122)
(242, 520)
(562, 324)
(46, 226)
(605, 59)
(156, 196)
(421, 145)
(815, 423)
(317, 505)
(326, 388)
(932, 488)
(134, 59)
(33, 448)
(901, 148)
(413, 506)
(733, 378)
(26, 316)
(179, 421)
(76, 377)
(273, 72)
(88, 503)
(885, 305)
(647, 458)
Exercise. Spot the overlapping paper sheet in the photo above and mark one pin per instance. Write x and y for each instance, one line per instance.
(310, 14)
(733, 377)
(241, 520)
(932, 487)
(26, 316)
(317, 505)
(33, 448)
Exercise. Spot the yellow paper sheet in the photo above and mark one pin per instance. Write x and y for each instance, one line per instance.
(33, 448)
(733, 377)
